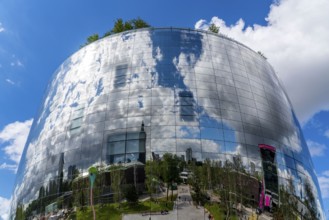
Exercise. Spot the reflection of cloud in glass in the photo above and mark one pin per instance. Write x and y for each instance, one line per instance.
(312, 181)
(212, 146)
(187, 132)
(195, 93)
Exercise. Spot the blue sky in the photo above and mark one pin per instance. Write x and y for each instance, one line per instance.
(37, 36)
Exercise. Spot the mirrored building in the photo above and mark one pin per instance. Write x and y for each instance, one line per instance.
(167, 115)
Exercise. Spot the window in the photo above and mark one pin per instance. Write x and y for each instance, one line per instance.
(126, 147)
(76, 120)
(120, 78)
(186, 103)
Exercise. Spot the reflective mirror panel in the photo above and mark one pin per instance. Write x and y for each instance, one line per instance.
(166, 124)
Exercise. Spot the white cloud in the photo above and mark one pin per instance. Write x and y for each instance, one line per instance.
(295, 41)
(6, 166)
(16, 63)
(316, 149)
(4, 208)
(326, 133)
(13, 137)
(1, 28)
(10, 81)
(324, 184)
(326, 173)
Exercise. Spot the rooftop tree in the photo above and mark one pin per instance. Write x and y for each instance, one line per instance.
(119, 26)
(213, 28)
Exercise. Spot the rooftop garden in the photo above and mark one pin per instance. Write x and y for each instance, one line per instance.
(119, 26)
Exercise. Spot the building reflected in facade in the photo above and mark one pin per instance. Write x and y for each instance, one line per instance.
(146, 105)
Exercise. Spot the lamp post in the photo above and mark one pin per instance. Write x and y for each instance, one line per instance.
(92, 176)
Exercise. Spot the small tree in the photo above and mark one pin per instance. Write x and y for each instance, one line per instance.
(140, 23)
(120, 25)
(310, 201)
(81, 199)
(213, 28)
(170, 170)
(153, 173)
(288, 207)
(20, 215)
(90, 39)
(107, 33)
(117, 177)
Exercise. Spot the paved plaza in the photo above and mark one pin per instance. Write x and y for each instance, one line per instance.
(183, 209)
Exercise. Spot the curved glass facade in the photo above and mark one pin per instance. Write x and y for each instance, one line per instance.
(166, 115)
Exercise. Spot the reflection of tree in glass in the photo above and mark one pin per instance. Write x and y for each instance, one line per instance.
(288, 207)
(166, 169)
(131, 194)
(310, 201)
(20, 215)
(229, 184)
(198, 183)
(117, 178)
(152, 171)
(170, 171)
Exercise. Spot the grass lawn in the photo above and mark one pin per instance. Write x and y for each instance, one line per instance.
(113, 211)
(102, 212)
(216, 211)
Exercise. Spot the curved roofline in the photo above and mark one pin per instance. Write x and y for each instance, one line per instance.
(182, 29)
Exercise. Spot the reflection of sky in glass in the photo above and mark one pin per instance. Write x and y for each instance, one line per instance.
(190, 89)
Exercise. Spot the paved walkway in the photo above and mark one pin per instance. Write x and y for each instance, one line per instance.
(251, 215)
(183, 209)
